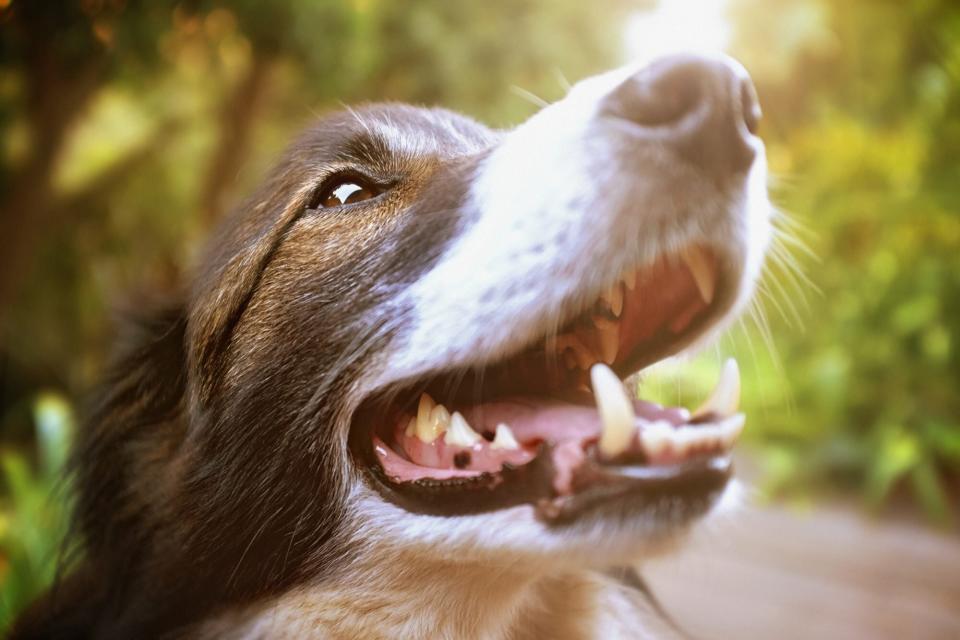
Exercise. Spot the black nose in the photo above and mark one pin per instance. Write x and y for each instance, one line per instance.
(705, 109)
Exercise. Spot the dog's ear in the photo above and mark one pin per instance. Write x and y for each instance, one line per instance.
(121, 458)
(68, 611)
(137, 421)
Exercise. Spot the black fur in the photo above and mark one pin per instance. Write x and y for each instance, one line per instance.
(209, 473)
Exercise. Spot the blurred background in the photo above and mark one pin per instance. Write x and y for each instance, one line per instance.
(128, 128)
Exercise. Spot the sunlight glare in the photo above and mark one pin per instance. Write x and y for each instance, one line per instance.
(677, 25)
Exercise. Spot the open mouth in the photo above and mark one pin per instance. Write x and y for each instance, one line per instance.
(553, 425)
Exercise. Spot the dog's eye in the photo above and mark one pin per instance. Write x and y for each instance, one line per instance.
(345, 190)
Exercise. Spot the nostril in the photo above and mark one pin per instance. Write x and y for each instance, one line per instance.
(703, 110)
(656, 99)
(750, 106)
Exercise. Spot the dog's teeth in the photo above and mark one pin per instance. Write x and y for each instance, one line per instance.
(424, 408)
(440, 417)
(699, 438)
(411, 429)
(460, 434)
(609, 334)
(698, 262)
(660, 439)
(616, 410)
(613, 298)
(429, 425)
(708, 437)
(581, 352)
(724, 400)
(630, 280)
(656, 438)
(504, 438)
(731, 428)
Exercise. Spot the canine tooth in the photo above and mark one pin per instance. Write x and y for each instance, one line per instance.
(630, 280)
(581, 352)
(424, 407)
(460, 434)
(504, 438)
(616, 410)
(609, 333)
(724, 400)
(411, 427)
(614, 299)
(700, 268)
(428, 426)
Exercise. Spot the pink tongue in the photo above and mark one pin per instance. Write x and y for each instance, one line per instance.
(568, 426)
(532, 421)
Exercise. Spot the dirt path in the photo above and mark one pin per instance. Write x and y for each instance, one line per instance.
(774, 574)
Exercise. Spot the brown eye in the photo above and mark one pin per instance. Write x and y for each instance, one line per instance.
(346, 191)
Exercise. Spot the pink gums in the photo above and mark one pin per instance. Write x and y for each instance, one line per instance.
(568, 427)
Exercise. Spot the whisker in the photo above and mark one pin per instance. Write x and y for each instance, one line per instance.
(763, 326)
(754, 357)
(768, 296)
(787, 299)
(529, 96)
(782, 257)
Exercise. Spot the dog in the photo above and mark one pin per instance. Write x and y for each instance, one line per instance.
(391, 402)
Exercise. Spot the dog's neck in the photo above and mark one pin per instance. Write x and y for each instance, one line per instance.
(417, 597)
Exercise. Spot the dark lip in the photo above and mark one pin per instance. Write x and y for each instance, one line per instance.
(613, 490)
(509, 487)
(618, 490)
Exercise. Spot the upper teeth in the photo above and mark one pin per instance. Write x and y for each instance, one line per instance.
(724, 400)
(699, 263)
(613, 298)
(615, 408)
(609, 334)
(582, 354)
(606, 343)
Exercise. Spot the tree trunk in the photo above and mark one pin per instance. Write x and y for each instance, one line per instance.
(236, 124)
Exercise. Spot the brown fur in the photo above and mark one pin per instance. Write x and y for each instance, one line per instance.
(218, 491)
(208, 473)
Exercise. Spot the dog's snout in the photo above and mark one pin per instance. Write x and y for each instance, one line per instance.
(706, 109)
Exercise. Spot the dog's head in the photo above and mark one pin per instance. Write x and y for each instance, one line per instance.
(392, 346)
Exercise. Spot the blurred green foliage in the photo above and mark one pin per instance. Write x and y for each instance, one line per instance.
(33, 514)
(852, 373)
(127, 127)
